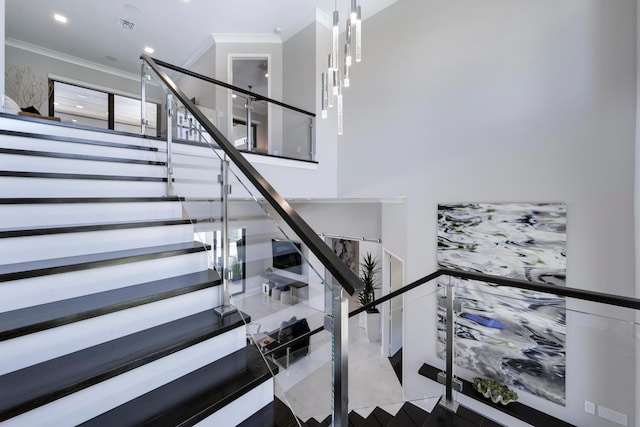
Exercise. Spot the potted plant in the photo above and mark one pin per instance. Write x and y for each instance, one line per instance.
(497, 392)
(368, 274)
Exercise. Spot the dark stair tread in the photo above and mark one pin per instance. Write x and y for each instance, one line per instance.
(377, 418)
(36, 385)
(193, 397)
(75, 156)
(83, 176)
(76, 140)
(53, 200)
(326, 422)
(67, 264)
(312, 422)
(441, 417)
(264, 417)
(37, 318)
(409, 415)
(84, 228)
(276, 414)
(355, 419)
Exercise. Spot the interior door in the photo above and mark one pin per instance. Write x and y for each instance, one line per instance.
(395, 271)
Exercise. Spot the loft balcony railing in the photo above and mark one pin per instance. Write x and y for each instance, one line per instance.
(252, 122)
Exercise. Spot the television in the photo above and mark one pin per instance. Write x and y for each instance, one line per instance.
(286, 255)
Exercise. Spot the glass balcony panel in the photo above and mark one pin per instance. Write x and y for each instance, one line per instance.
(566, 359)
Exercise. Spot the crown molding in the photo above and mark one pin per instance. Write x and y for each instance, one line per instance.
(204, 47)
(247, 38)
(18, 44)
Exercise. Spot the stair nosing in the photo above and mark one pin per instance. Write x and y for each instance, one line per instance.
(102, 260)
(106, 350)
(57, 175)
(75, 309)
(76, 140)
(73, 156)
(88, 200)
(92, 227)
(256, 368)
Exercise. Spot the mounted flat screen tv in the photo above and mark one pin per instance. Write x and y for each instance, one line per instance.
(286, 255)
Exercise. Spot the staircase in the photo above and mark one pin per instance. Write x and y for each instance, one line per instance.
(105, 299)
(410, 415)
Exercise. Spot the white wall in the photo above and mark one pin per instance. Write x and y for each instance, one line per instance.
(2, 53)
(504, 101)
(44, 65)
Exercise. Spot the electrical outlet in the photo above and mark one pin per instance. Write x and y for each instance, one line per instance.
(590, 407)
(611, 415)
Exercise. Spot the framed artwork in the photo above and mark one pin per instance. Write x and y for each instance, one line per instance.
(514, 336)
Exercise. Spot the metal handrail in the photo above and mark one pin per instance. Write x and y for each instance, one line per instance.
(347, 278)
(617, 300)
(600, 297)
(230, 86)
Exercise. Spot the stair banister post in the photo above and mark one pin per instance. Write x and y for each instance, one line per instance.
(225, 189)
(449, 403)
(340, 336)
(144, 75)
(249, 107)
(169, 142)
(312, 141)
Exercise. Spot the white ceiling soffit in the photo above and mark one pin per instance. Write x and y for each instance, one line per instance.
(176, 29)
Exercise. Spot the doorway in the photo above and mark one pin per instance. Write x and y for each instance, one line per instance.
(392, 280)
(250, 72)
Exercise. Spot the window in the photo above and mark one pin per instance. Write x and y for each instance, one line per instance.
(100, 109)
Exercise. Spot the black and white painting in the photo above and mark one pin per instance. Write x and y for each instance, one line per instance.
(514, 336)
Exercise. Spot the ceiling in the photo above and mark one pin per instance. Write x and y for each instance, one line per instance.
(176, 30)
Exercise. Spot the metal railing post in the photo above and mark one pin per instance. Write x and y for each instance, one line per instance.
(225, 307)
(340, 404)
(449, 403)
(249, 107)
(144, 75)
(169, 143)
(312, 141)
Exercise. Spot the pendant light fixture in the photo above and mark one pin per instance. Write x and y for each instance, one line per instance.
(338, 74)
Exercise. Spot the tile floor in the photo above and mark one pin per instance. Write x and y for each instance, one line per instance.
(306, 384)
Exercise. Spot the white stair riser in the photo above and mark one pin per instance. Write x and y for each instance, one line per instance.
(241, 408)
(33, 248)
(80, 166)
(23, 293)
(204, 174)
(90, 402)
(72, 132)
(202, 151)
(38, 347)
(17, 187)
(68, 147)
(208, 189)
(17, 216)
(196, 160)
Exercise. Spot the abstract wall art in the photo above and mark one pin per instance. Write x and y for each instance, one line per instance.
(514, 336)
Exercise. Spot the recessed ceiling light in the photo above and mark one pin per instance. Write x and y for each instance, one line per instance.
(233, 95)
(131, 8)
(60, 18)
(56, 103)
(266, 75)
(79, 106)
(74, 120)
(149, 49)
